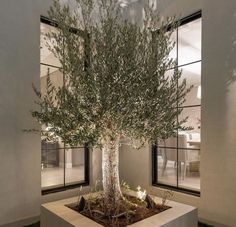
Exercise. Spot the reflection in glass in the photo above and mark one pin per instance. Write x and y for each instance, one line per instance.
(56, 77)
(189, 42)
(193, 121)
(189, 171)
(188, 167)
(169, 74)
(74, 163)
(167, 166)
(173, 39)
(57, 171)
(46, 55)
(169, 142)
(52, 164)
(192, 74)
(178, 159)
(61, 165)
(189, 143)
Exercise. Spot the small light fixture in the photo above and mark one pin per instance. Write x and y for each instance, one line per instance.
(199, 92)
(123, 3)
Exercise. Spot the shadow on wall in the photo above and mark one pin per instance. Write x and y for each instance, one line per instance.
(230, 62)
(218, 112)
(218, 73)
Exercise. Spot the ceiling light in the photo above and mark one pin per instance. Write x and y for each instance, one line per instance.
(199, 92)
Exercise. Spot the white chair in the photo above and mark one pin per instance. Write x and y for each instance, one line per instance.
(169, 154)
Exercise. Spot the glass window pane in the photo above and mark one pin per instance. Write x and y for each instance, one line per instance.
(192, 137)
(169, 142)
(167, 166)
(169, 77)
(189, 169)
(55, 75)
(45, 70)
(192, 74)
(46, 56)
(52, 164)
(173, 39)
(169, 74)
(60, 166)
(189, 42)
(74, 163)
(189, 141)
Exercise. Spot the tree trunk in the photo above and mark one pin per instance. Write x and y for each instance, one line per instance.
(110, 171)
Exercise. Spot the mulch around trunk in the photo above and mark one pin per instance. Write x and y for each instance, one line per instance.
(131, 210)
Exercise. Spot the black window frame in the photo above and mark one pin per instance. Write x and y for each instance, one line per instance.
(86, 181)
(154, 149)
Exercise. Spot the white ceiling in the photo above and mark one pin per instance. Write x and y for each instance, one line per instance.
(189, 50)
(189, 45)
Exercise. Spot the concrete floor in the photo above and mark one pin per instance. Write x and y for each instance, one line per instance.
(51, 177)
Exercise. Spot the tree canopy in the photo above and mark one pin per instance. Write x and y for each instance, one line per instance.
(115, 73)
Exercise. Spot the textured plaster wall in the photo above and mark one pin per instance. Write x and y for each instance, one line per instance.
(218, 155)
(20, 153)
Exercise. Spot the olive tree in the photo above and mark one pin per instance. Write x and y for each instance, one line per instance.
(116, 85)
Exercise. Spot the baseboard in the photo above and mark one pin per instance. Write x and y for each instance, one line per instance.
(23, 222)
(212, 223)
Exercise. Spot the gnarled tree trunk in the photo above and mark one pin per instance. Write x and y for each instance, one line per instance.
(110, 171)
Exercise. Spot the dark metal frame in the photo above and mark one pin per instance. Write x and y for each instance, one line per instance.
(86, 180)
(155, 147)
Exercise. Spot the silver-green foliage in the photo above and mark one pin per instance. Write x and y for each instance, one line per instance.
(115, 76)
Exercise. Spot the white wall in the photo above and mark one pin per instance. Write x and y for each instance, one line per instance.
(218, 127)
(20, 153)
(218, 112)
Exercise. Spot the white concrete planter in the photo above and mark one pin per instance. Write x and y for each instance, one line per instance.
(57, 214)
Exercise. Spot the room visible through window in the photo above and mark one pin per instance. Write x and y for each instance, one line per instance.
(176, 161)
(61, 166)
